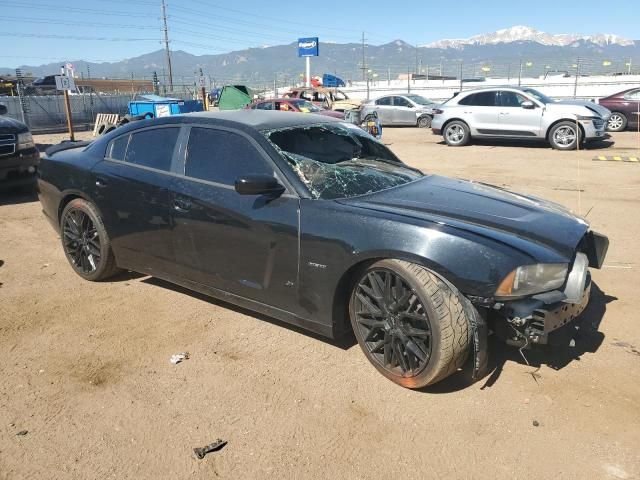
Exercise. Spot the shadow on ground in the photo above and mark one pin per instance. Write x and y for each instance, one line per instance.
(345, 342)
(18, 195)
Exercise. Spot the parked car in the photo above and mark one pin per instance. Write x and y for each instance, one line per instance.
(406, 109)
(19, 157)
(312, 221)
(624, 108)
(522, 113)
(293, 105)
(330, 99)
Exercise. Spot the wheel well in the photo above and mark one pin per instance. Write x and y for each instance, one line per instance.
(65, 201)
(341, 322)
(444, 125)
(560, 121)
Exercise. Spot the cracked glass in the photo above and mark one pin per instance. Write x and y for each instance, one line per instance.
(339, 160)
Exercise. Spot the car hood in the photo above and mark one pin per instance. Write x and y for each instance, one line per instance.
(482, 209)
(580, 107)
(9, 125)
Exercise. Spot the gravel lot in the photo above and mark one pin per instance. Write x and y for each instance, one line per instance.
(85, 366)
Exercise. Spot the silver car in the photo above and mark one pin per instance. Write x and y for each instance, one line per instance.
(406, 109)
(514, 112)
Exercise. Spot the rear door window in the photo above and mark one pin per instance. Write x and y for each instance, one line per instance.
(384, 101)
(480, 99)
(220, 156)
(153, 148)
(634, 95)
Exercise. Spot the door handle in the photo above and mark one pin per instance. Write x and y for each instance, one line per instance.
(101, 182)
(181, 204)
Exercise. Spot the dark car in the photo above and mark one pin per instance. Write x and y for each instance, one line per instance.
(624, 108)
(293, 105)
(19, 157)
(313, 221)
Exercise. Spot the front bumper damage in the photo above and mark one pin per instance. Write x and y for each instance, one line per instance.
(538, 320)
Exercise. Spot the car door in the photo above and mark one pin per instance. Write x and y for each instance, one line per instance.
(131, 190)
(517, 120)
(383, 106)
(481, 111)
(246, 245)
(404, 112)
(630, 106)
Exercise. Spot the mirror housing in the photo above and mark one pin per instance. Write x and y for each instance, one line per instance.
(528, 104)
(3, 109)
(259, 185)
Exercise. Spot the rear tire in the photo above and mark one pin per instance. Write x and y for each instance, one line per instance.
(563, 136)
(456, 134)
(411, 325)
(617, 122)
(85, 241)
(424, 122)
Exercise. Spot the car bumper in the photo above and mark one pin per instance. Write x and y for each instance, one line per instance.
(592, 132)
(19, 169)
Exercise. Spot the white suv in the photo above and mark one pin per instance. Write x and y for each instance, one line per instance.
(514, 112)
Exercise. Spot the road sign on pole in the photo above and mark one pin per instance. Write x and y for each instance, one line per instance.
(64, 82)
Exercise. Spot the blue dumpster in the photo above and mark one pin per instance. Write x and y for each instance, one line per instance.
(156, 106)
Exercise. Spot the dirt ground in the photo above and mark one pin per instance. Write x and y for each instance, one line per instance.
(85, 366)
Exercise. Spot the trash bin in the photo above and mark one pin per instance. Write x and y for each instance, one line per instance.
(156, 106)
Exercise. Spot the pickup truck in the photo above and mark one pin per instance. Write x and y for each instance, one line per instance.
(19, 157)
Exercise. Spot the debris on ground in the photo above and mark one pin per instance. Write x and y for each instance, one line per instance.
(22, 433)
(214, 447)
(179, 357)
(536, 423)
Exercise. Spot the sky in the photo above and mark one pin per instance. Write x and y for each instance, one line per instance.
(35, 32)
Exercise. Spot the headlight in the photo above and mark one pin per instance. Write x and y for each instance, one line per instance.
(531, 279)
(586, 120)
(25, 141)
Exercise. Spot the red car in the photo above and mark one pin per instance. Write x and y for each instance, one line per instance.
(624, 108)
(293, 105)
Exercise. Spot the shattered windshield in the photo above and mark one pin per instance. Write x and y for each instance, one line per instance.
(340, 160)
(306, 106)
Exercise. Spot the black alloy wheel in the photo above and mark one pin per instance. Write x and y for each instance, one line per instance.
(81, 241)
(85, 241)
(393, 322)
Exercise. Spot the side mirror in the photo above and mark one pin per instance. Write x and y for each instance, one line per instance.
(3, 109)
(527, 104)
(258, 185)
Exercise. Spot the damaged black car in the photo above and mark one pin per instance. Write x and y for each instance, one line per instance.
(316, 223)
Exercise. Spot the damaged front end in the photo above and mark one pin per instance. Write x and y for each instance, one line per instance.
(546, 318)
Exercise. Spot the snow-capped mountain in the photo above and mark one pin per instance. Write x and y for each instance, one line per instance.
(520, 33)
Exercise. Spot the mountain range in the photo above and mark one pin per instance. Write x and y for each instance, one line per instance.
(500, 53)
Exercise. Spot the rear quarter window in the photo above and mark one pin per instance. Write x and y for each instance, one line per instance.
(118, 148)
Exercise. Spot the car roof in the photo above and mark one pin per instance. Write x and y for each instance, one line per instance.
(260, 119)
(495, 87)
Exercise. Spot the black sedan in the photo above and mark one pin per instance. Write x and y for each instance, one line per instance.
(316, 223)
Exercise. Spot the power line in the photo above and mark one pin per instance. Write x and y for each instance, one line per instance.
(77, 37)
(75, 24)
(36, 6)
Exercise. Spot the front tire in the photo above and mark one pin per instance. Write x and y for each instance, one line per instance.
(410, 324)
(85, 241)
(563, 136)
(456, 134)
(617, 122)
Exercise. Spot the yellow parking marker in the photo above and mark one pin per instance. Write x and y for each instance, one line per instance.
(616, 158)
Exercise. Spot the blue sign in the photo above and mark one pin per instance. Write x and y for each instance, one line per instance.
(308, 47)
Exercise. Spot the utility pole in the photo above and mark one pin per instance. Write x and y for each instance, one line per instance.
(415, 70)
(364, 63)
(520, 74)
(461, 76)
(575, 85)
(166, 43)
